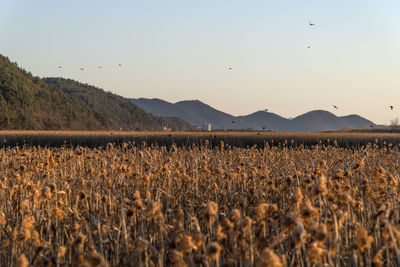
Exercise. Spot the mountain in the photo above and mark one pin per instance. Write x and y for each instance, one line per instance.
(163, 108)
(268, 121)
(30, 103)
(358, 121)
(200, 114)
(114, 111)
(218, 119)
(193, 111)
(319, 120)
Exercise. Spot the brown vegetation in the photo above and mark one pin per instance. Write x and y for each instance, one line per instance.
(209, 206)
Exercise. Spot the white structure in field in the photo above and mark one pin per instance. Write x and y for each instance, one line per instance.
(209, 127)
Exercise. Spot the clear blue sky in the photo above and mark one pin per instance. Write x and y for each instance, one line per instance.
(177, 50)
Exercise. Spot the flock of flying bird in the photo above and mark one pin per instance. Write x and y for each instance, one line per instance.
(335, 107)
(100, 67)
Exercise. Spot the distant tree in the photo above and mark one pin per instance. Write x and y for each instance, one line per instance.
(394, 123)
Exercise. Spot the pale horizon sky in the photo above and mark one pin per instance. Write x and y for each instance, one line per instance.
(179, 50)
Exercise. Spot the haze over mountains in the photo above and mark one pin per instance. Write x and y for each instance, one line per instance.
(200, 114)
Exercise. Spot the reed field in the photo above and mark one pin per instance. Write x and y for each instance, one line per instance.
(200, 205)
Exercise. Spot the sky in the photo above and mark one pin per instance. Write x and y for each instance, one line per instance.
(182, 49)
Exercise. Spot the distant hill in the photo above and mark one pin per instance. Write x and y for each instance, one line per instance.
(319, 120)
(358, 121)
(30, 103)
(163, 108)
(218, 119)
(200, 114)
(268, 121)
(193, 111)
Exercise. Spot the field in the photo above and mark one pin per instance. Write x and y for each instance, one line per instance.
(201, 205)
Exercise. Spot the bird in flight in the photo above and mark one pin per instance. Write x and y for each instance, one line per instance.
(230, 68)
(120, 65)
(100, 67)
(82, 69)
(391, 107)
(311, 24)
(59, 67)
(233, 121)
(335, 107)
(308, 46)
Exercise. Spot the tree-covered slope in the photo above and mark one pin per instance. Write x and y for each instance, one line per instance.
(114, 111)
(26, 102)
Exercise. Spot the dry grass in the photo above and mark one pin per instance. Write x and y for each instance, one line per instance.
(209, 206)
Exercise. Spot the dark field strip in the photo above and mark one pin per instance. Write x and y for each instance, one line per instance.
(182, 139)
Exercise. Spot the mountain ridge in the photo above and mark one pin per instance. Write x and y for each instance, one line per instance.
(312, 121)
